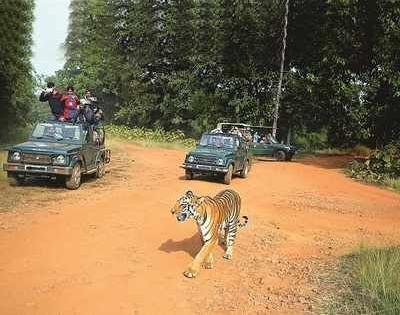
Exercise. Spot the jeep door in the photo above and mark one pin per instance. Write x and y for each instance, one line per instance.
(265, 149)
(89, 150)
(241, 154)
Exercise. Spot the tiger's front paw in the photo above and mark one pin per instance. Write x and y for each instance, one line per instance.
(228, 256)
(208, 265)
(190, 273)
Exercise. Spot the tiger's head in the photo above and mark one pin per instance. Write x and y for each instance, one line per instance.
(186, 206)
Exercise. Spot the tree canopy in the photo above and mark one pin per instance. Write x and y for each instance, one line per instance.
(188, 64)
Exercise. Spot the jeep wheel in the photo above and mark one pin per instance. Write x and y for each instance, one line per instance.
(280, 155)
(188, 175)
(245, 170)
(74, 181)
(228, 175)
(101, 168)
(15, 180)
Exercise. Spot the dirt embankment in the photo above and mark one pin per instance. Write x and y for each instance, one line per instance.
(113, 247)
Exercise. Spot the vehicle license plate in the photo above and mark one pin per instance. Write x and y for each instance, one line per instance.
(35, 168)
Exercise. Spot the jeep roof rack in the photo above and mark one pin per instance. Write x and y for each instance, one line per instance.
(220, 125)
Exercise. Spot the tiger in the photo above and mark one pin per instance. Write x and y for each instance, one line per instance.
(214, 217)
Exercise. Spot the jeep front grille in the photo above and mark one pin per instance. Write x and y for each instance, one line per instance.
(206, 160)
(33, 158)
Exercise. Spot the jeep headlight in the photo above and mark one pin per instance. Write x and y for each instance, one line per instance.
(59, 159)
(191, 159)
(221, 162)
(16, 156)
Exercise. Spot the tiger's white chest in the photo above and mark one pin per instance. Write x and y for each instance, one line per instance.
(204, 229)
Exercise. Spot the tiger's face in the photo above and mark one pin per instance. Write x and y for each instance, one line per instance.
(185, 206)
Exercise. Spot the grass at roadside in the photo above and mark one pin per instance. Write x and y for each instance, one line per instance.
(151, 138)
(393, 183)
(366, 282)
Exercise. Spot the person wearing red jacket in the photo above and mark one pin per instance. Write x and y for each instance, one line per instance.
(70, 103)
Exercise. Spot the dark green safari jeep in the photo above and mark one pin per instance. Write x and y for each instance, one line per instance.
(218, 154)
(260, 141)
(58, 150)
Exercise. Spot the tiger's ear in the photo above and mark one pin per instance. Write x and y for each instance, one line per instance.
(189, 193)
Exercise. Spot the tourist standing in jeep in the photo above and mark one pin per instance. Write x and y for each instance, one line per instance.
(89, 110)
(70, 102)
(53, 96)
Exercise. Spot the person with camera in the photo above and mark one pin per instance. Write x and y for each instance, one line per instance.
(52, 96)
(89, 110)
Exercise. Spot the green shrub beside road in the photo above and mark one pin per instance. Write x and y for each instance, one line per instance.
(147, 137)
(382, 167)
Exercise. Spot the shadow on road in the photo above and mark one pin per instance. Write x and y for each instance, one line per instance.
(190, 245)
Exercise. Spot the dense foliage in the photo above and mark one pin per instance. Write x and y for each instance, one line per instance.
(187, 64)
(16, 84)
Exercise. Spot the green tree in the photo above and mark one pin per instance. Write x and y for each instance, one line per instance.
(16, 90)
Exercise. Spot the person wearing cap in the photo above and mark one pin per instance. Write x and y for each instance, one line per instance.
(53, 97)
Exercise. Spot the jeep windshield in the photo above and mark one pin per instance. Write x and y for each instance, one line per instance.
(218, 141)
(57, 132)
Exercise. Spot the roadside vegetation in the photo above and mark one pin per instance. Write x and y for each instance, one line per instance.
(318, 143)
(3, 159)
(382, 167)
(149, 138)
(20, 134)
(366, 282)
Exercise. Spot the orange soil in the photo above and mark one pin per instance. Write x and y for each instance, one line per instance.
(113, 247)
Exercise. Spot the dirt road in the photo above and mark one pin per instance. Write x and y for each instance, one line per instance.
(113, 247)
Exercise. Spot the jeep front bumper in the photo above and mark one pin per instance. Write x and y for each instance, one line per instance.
(200, 168)
(32, 170)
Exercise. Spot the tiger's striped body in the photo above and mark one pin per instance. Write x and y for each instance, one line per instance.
(214, 216)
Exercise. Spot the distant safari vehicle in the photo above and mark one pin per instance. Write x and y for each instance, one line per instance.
(57, 150)
(218, 154)
(259, 140)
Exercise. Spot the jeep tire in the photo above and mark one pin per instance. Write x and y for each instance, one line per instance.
(14, 180)
(188, 175)
(244, 172)
(228, 175)
(100, 168)
(74, 180)
(280, 155)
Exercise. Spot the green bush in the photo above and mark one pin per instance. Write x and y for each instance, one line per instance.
(361, 150)
(311, 141)
(147, 136)
(383, 167)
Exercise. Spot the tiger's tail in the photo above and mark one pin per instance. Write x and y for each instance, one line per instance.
(244, 223)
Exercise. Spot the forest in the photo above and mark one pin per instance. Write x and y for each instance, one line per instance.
(188, 64)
